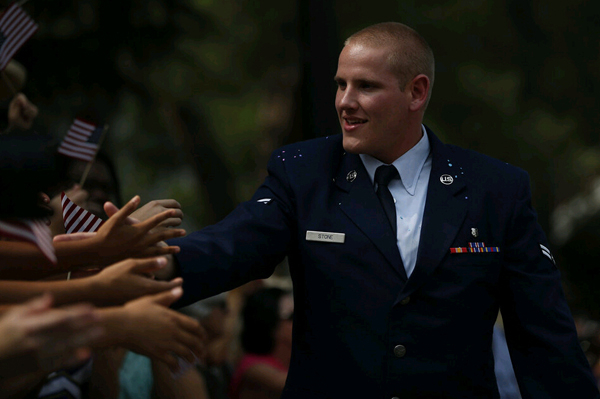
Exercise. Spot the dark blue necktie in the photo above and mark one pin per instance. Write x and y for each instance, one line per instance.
(383, 175)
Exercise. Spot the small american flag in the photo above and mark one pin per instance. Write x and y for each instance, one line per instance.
(81, 141)
(77, 219)
(16, 27)
(35, 231)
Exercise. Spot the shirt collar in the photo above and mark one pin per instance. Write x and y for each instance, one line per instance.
(409, 165)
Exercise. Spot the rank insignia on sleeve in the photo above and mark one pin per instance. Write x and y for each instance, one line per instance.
(546, 252)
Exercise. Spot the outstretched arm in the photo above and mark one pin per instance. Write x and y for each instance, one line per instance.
(115, 285)
(116, 240)
(148, 327)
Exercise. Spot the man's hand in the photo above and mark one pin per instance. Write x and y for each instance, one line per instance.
(156, 331)
(21, 113)
(118, 238)
(130, 279)
(154, 208)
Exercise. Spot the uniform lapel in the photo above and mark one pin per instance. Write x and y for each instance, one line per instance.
(358, 201)
(445, 210)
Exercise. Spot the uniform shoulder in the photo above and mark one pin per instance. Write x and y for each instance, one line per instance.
(323, 148)
(326, 143)
(483, 163)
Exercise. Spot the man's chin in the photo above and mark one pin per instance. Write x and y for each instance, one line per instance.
(351, 145)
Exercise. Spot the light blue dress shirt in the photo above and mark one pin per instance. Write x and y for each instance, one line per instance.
(410, 193)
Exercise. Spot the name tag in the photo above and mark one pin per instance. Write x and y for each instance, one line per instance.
(325, 236)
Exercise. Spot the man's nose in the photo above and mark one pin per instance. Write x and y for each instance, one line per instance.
(347, 99)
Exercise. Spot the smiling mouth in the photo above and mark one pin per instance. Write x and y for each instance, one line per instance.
(355, 121)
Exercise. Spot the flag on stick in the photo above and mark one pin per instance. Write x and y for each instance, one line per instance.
(82, 141)
(35, 231)
(77, 219)
(16, 27)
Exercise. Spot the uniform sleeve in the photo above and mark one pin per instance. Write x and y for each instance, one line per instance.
(245, 246)
(540, 332)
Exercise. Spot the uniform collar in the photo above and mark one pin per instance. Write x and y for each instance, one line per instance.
(409, 165)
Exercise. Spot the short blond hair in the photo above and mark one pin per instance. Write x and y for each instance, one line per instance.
(410, 53)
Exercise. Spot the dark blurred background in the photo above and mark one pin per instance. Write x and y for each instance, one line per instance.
(197, 94)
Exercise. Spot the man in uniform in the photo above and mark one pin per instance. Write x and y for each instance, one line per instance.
(402, 249)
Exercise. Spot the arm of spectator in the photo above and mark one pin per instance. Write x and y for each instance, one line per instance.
(34, 337)
(104, 382)
(21, 113)
(146, 326)
(118, 239)
(190, 385)
(265, 378)
(150, 209)
(115, 285)
(154, 208)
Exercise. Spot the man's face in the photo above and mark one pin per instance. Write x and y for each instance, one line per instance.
(370, 104)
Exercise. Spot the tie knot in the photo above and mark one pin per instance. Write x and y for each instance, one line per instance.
(385, 174)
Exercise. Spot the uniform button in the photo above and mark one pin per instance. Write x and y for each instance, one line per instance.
(405, 301)
(399, 350)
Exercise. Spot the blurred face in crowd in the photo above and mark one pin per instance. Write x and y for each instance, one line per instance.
(214, 323)
(99, 184)
(371, 104)
(283, 333)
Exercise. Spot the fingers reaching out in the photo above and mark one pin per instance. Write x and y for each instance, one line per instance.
(161, 332)
(121, 236)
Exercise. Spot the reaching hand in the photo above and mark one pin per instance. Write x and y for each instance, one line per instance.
(159, 332)
(130, 279)
(34, 337)
(118, 238)
(21, 112)
(151, 209)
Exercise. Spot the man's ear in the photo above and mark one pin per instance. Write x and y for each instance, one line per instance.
(419, 90)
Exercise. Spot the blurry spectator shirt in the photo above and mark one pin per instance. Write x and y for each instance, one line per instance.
(217, 380)
(67, 384)
(136, 377)
(245, 363)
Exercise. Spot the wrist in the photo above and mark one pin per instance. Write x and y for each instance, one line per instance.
(116, 325)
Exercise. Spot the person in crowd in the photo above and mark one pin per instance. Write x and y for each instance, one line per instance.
(36, 338)
(143, 323)
(267, 344)
(215, 370)
(402, 249)
(20, 112)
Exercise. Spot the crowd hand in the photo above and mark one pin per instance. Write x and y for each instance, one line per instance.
(21, 112)
(118, 238)
(130, 279)
(161, 333)
(36, 338)
(154, 208)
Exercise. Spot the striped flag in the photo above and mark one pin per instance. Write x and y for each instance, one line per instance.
(81, 141)
(35, 231)
(16, 27)
(77, 219)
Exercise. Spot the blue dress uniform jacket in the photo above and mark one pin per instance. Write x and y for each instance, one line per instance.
(361, 328)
